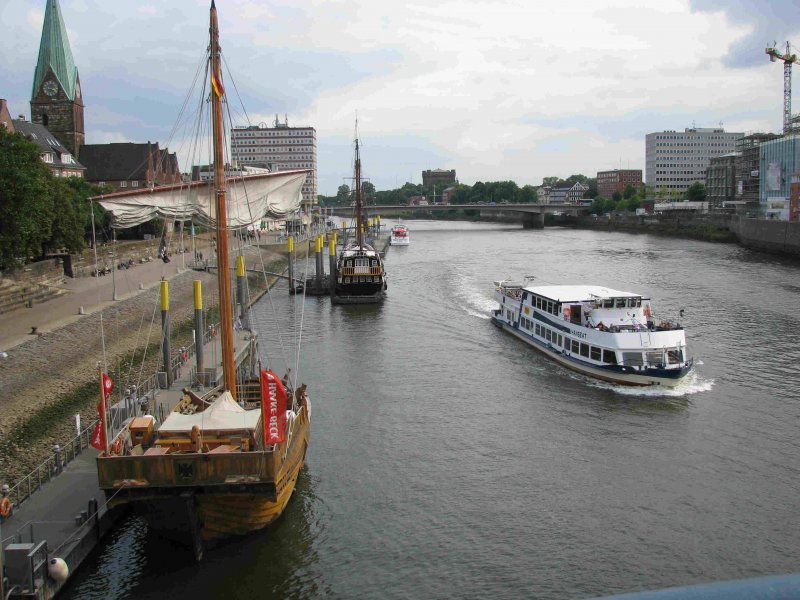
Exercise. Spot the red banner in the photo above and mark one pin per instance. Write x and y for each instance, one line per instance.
(97, 440)
(273, 408)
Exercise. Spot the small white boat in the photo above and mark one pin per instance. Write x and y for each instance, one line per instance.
(399, 235)
(597, 331)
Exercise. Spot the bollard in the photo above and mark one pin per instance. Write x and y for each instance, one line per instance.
(81, 311)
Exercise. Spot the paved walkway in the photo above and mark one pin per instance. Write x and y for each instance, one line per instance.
(89, 293)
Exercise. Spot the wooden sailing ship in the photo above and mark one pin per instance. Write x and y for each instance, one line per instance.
(360, 276)
(212, 469)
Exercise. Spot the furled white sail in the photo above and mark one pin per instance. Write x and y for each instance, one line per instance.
(249, 199)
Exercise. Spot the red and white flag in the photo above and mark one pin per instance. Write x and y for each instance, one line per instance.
(99, 435)
(98, 440)
(273, 408)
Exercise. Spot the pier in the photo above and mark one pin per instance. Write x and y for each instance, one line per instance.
(58, 512)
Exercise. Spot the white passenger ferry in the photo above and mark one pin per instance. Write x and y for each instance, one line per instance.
(400, 235)
(596, 331)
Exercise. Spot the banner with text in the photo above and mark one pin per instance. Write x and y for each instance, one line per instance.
(273, 408)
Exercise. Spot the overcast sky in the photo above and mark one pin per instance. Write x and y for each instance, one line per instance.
(497, 90)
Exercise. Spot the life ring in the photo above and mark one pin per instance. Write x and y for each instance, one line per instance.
(116, 447)
(567, 312)
(5, 507)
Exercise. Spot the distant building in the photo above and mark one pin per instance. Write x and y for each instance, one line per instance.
(417, 201)
(58, 158)
(56, 101)
(747, 167)
(609, 182)
(568, 195)
(721, 180)
(447, 194)
(5, 116)
(438, 177)
(206, 172)
(280, 148)
(675, 160)
(543, 193)
(778, 162)
(128, 165)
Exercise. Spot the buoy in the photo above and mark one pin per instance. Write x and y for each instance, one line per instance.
(57, 569)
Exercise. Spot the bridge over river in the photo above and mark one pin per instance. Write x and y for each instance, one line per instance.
(530, 215)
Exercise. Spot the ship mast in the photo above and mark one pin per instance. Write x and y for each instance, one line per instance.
(359, 232)
(223, 276)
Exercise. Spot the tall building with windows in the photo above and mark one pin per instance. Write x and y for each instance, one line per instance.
(675, 160)
(280, 148)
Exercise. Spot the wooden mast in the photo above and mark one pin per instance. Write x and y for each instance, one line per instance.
(223, 275)
(359, 232)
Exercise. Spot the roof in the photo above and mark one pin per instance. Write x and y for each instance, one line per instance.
(224, 414)
(55, 53)
(115, 162)
(577, 293)
(47, 142)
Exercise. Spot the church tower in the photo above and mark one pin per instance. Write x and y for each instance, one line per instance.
(56, 100)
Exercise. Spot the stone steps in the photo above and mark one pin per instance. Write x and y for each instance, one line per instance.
(16, 295)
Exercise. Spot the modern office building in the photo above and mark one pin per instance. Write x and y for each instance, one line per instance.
(779, 162)
(281, 148)
(609, 182)
(675, 160)
(721, 180)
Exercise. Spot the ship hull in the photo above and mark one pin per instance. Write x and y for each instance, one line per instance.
(618, 375)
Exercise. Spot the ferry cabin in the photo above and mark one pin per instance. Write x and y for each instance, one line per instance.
(601, 332)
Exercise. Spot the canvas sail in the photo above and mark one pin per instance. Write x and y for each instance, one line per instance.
(249, 199)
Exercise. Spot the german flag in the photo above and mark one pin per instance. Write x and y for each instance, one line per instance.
(216, 83)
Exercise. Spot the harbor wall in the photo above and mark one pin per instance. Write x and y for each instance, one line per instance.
(780, 237)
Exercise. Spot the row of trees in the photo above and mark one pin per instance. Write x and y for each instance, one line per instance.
(40, 213)
(490, 191)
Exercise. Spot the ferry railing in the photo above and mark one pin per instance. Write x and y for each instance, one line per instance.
(50, 467)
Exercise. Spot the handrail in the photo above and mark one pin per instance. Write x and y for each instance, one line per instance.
(50, 467)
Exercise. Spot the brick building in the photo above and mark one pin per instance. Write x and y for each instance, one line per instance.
(130, 166)
(57, 158)
(609, 182)
(56, 101)
(438, 177)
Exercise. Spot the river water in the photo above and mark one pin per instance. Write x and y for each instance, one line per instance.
(449, 460)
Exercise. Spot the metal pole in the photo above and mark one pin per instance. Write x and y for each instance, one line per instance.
(290, 253)
(165, 349)
(114, 264)
(332, 263)
(240, 291)
(198, 329)
(318, 261)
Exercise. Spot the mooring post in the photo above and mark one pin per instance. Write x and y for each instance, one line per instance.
(318, 261)
(199, 330)
(240, 291)
(290, 255)
(332, 263)
(165, 348)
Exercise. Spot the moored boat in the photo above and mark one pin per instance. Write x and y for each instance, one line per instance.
(600, 332)
(225, 463)
(400, 236)
(360, 275)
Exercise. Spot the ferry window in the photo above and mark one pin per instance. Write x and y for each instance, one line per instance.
(566, 343)
(576, 347)
(675, 357)
(585, 350)
(609, 356)
(536, 329)
(559, 339)
(632, 359)
(638, 303)
(347, 280)
(547, 334)
(655, 358)
(608, 303)
(595, 353)
(620, 303)
(538, 302)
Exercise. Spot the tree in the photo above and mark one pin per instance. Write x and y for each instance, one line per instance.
(629, 192)
(696, 192)
(26, 206)
(527, 195)
(343, 195)
(616, 196)
(550, 181)
(367, 190)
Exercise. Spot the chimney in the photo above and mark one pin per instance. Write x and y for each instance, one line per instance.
(20, 117)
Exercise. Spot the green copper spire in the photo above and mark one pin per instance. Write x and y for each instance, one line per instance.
(54, 52)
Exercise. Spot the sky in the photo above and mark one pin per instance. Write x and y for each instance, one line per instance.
(497, 90)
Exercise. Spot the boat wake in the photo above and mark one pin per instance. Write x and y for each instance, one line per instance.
(476, 304)
(692, 384)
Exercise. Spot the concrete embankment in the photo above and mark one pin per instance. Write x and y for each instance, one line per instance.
(779, 237)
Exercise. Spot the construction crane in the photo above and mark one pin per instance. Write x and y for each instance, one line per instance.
(788, 58)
